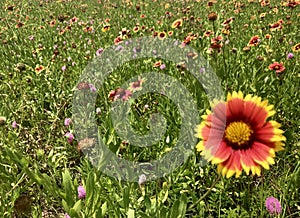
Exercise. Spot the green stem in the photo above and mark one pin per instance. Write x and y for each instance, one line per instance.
(206, 193)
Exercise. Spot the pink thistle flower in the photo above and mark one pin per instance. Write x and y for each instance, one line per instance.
(92, 88)
(68, 121)
(14, 125)
(290, 55)
(70, 137)
(273, 205)
(81, 192)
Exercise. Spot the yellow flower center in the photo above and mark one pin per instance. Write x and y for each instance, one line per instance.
(238, 133)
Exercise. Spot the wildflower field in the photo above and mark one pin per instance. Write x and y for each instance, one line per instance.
(150, 108)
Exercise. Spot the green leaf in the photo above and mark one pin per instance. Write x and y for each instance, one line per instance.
(104, 208)
(65, 205)
(68, 187)
(130, 213)
(126, 197)
(147, 202)
(182, 205)
(174, 210)
(77, 206)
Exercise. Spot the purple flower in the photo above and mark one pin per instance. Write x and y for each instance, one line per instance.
(273, 205)
(119, 48)
(63, 68)
(69, 136)
(67, 216)
(142, 179)
(92, 88)
(163, 66)
(290, 55)
(69, 59)
(64, 42)
(31, 38)
(73, 63)
(68, 121)
(55, 47)
(14, 125)
(202, 70)
(99, 51)
(81, 192)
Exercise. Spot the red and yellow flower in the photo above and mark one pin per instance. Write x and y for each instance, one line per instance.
(278, 67)
(254, 41)
(177, 23)
(296, 48)
(237, 135)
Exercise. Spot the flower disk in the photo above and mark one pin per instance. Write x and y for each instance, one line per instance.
(237, 135)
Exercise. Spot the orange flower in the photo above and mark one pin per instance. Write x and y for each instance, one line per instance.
(157, 64)
(106, 28)
(268, 36)
(237, 135)
(208, 33)
(161, 35)
(296, 48)
(177, 23)
(118, 40)
(39, 68)
(135, 29)
(254, 41)
(52, 23)
(278, 67)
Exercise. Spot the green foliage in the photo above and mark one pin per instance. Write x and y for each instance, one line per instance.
(40, 171)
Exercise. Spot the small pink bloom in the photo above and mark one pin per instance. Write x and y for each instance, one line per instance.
(63, 68)
(69, 136)
(273, 205)
(127, 94)
(81, 192)
(290, 55)
(92, 88)
(163, 66)
(14, 125)
(68, 121)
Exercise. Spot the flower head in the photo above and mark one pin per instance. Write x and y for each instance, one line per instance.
(14, 124)
(92, 88)
(212, 16)
(290, 55)
(67, 216)
(39, 68)
(278, 67)
(177, 23)
(237, 135)
(163, 66)
(99, 51)
(142, 179)
(120, 93)
(68, 121)
(69, 136)
(254, 41)
(296, 48)
(81, 192)
(273, 205)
